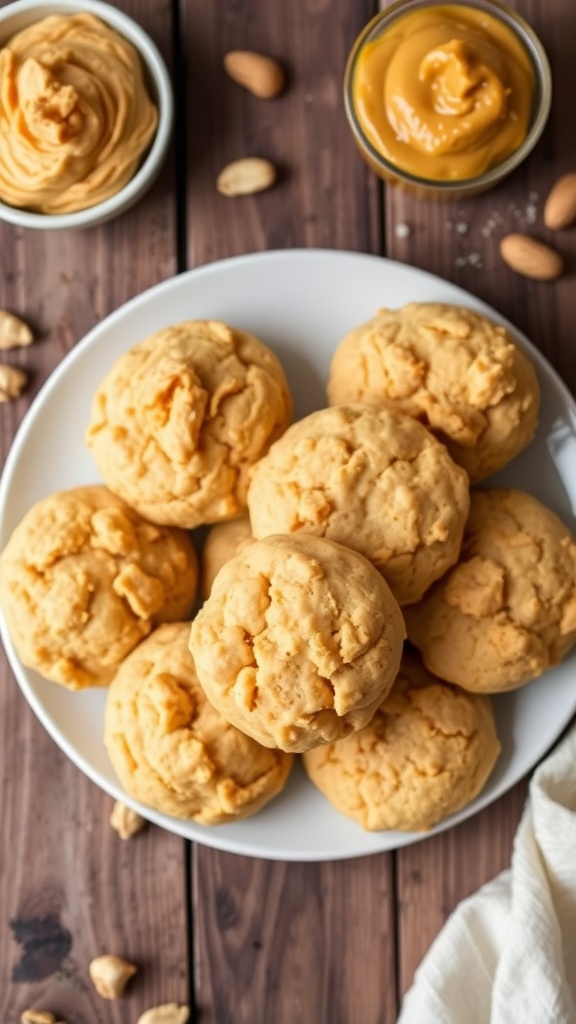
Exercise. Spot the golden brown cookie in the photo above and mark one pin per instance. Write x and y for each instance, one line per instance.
(372, 479)
(427, 753)
(172, 750)
(180, 418)
(83, 578)
(507, 611)
(298, 642)
(454, 370)
(223, 541)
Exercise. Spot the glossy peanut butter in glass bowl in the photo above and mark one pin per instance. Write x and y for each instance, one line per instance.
(447, 98)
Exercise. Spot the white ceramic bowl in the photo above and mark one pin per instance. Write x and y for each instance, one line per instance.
(19, 15)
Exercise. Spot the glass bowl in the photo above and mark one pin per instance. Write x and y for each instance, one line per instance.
(461, 187)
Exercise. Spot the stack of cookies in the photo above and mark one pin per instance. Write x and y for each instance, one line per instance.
(330, 540)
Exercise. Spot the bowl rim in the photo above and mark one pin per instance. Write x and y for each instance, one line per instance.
(543, 100)
(157, 70)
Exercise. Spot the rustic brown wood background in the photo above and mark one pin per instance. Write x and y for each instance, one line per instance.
(248, 941)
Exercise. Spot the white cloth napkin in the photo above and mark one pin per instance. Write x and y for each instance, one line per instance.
(507, 955)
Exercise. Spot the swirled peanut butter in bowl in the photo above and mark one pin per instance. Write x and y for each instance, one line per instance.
(85, 112)
(76, 115)
(446, 97)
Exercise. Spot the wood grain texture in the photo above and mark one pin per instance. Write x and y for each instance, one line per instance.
(288, 943)
(325, 196)
(459, 241)
(294, 942)
(69, 888)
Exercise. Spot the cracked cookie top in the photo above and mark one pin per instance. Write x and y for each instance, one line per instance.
(84, 578)
(449, 367)
(298, 642)
(172, 750)
(427, 753)
(507, 611)
(373, 479)
(180, 418)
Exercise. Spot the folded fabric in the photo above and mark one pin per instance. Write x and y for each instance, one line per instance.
(507, 955)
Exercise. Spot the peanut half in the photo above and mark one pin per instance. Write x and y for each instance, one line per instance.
(167, 1013)
(12, 382)
(531, 258)
(560, 207)
(38, 1017)
(246, 176)
(14, 333)
(125, 821)
(261, 75)
(110, 975)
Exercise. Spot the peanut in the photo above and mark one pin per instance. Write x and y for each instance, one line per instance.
(261, 75)
(12, 382)
(560, 207)
(125, 821)
(531, 258)
(167, 1013)
(246, 176)
(110, 975)
(13, 331)
(38, 1017)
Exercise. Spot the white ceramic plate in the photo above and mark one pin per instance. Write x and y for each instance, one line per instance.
(300, 302)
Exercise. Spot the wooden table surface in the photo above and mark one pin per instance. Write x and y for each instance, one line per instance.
(249, 941)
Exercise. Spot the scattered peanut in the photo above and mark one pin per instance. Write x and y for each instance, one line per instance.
(125, 821)
(14, 333)
(560, 207)
(38, 1017)
(168, 1013)
(243, 177)
(12, 382)
(110, 974)
(261, 75)
(531, 258)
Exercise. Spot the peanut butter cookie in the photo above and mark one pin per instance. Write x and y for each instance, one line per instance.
(507, 611)
(180, 418)
(84, 578)
(454, 370)
(298, 642)
(172, 750)
(372, 479)
(427, 753)
(223, 541)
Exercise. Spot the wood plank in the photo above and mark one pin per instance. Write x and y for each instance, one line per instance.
(294, 942)
(459, 241)
(325, 196)
(275, 941)
(69, 888)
